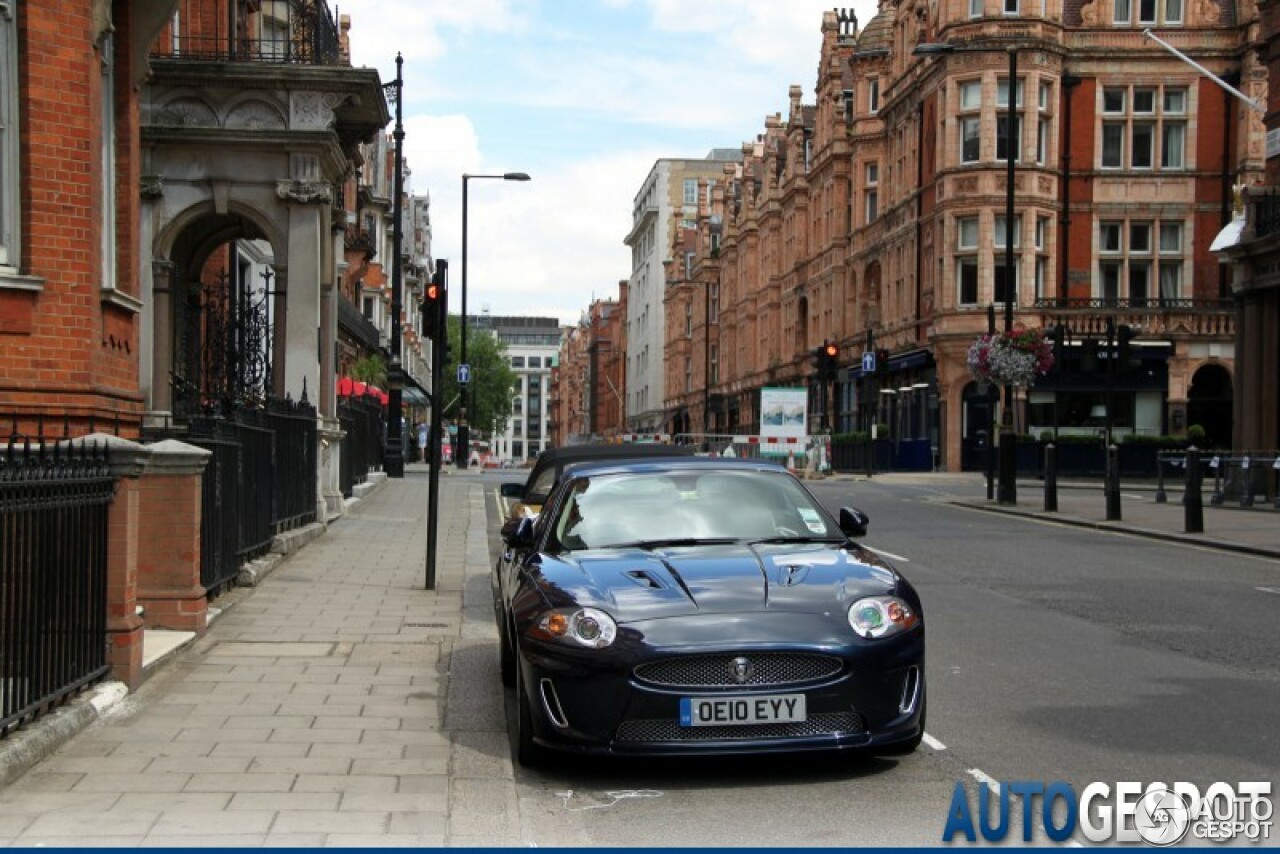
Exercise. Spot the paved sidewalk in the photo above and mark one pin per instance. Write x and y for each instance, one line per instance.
(315, 711)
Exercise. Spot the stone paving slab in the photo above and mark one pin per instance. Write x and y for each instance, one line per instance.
(312, 713)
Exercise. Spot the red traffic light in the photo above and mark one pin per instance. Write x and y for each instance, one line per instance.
(832, 350)
(433, 292)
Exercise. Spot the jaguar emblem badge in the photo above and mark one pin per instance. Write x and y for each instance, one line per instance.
(741, 669)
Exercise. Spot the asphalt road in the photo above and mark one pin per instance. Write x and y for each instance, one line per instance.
(1055, 653)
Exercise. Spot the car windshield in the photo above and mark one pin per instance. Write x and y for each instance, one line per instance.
(654, 509)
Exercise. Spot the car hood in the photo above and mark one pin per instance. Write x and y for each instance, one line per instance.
(647, 584)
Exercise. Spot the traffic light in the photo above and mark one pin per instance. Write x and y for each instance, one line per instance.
(882, 364)
(1058, 337)
(1125, 358)
(433, 308)
(826, 361)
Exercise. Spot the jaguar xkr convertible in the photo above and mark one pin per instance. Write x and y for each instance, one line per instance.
(698, 606)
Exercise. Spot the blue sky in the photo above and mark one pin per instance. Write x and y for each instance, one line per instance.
(584, 95)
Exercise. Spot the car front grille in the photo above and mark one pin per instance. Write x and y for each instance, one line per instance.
(830, 723)
(764, 669)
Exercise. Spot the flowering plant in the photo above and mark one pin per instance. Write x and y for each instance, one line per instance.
(1013, 358)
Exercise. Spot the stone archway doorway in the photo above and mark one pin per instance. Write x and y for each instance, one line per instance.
(1209, 404)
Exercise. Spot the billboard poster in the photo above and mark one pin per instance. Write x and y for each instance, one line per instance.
(784, 413)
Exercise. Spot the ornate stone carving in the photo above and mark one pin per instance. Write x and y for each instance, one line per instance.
(254, 115)
(151, 187)
(1044, 183)
(1089, 13)
(187, 112)
(966, 185)
(313, 110)
(305, 192)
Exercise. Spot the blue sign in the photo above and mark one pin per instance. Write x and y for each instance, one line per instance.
(869, 361)
(464, 374)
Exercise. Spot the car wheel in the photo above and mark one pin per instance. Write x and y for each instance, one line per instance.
(528, 754)
(506, 652)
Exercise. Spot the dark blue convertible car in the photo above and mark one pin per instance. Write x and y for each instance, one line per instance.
(686, 606)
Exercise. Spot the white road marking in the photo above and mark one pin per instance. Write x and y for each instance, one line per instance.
(933, 743)
(983, 777)
(889, 555)
(614, 798)
(1275, 590)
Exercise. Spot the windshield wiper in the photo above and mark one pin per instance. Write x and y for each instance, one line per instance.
(675, 541)
(794, 539)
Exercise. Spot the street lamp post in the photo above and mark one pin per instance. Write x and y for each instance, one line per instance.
(1007, 491)
(394, 462)
(462, 447)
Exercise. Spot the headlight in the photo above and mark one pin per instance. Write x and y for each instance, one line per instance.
(882, 616)
(588, 627)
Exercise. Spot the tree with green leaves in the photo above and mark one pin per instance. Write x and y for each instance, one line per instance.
(493, 383)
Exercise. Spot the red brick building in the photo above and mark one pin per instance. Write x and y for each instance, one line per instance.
(588, 383)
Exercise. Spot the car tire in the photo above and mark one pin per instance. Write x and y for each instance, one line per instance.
(528, 754)
(506, 652)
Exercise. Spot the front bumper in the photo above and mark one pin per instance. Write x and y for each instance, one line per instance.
(594, 702)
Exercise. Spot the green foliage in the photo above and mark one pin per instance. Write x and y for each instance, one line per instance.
(1196, 433)
(370, 369)
(1046, 435)
(1159, 441)
(492, 380)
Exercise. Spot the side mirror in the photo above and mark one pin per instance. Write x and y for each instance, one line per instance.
(511, 490)
(853, 522)
(518, 533)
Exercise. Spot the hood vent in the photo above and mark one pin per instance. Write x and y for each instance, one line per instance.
(644, 578)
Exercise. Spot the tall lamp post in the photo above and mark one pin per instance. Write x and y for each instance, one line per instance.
(462, 448)
(394, 462)
(1007, 491)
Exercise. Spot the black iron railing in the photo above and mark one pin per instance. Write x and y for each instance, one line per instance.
(362, 445)
(260, 482)
(54, 501)
(1266, 214)
(1130, 304)
(295, 32)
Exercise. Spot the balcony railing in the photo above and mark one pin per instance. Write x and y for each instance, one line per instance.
(292, 32)
(1266, 214)
(1156, 316)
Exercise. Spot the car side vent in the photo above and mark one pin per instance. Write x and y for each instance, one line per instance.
(644, 579)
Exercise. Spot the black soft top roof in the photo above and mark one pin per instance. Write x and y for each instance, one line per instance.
(558, 458)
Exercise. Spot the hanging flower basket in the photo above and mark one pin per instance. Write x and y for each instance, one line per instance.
(1011, 358)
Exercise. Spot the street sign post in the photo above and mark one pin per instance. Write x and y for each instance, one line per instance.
(464, 374)
(868, 361)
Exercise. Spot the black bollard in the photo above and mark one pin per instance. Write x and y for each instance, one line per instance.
(1246, 483)
(1194, 503)
(1161, 497)
(1111, 485)
(1050, 478)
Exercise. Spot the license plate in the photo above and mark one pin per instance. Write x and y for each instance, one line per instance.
(728, 711)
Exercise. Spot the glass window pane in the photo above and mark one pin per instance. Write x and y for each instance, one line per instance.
(999, 280)
(1170, 237)
(1175, 100)
(1139, 281)
(873, 173)
(1173, 11)
(1144, 100)
(975, 8)
(1042, 141)
(1002, 92)
(1122, 12)
(1046, 94)
(1113, 100)
(967, 276)
(1144, 135)
(1170, 279)
(967, 233)
(1000, 232)
(1110, 237)
(1110, 280)
(1139, 238)
(1112, 145)
(1146, 11)
(1172, 145)
(969, 140)
(1002, 138)
(971, 95)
